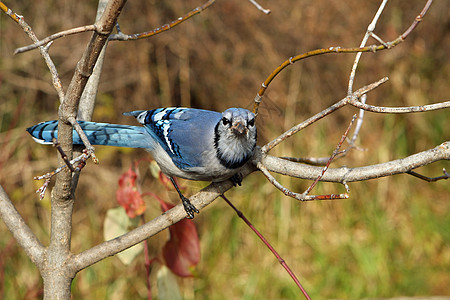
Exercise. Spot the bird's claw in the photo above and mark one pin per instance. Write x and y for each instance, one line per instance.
(236, 179)
(189, 208)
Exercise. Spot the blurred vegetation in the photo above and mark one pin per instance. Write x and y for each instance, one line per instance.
(390, 238)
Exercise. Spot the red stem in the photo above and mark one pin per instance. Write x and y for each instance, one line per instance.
(280, 259)
(147, 264)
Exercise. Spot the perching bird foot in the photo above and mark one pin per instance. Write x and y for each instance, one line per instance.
(189, 208)
(237, 179)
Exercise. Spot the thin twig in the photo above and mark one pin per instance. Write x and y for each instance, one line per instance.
(263, 239)
(259, 7)
(371, 48)
(369, 31)
(304, 196)
(41, 191)
(335, 152)
(359, 122)
(314, 161)
(322, 114)
(120, 36)
(430, 179)
(84, 138)
(63, 155)
(399, 110)
(417, 20)
(298, 196)
(321, 161)
(75, 165)
(55, 36)
(74, 162)
(43, 50)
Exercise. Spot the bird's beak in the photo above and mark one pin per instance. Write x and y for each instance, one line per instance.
(239, 128)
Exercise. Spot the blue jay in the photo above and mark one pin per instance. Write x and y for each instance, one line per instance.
(189, 143)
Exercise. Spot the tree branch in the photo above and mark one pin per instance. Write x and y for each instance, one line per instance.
(274, 164)
(345, 174)
(43, 50)
(399, 110)
(55, 36)
(62, 195)
(322, 114)
(136, 36)
(20, 230)
(371, 48)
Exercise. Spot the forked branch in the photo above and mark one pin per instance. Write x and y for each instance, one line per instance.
(371, 48)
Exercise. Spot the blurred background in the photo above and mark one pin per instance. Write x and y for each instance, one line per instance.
(391, 238)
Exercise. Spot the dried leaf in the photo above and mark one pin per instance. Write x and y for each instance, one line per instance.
(182, 251)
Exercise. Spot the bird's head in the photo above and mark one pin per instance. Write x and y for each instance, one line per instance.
(235, 137)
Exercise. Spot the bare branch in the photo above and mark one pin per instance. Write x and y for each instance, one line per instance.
(417, 20)
(369, 31)
(58, 251)
(274, 164)
(345, 174)
(75, 164)
(127, 37)
(315, 161)
(112, 247)
(63, 155)
(43, 50)
(20, 230)
(359, 121)
(304, 196)
(322, 114)
(399, 110)
(430, 179)
(259, 7)
(83, 138)
(55, 36)
(333, 155)
(301, 197)
(372, 48)
(118, 37)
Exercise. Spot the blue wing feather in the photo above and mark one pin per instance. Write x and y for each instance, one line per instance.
(184, 133)
(97, 134)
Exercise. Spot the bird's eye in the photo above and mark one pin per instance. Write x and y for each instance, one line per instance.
(251, 122)
(225, 121)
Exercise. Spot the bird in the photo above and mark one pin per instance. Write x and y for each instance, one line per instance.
(190, 143)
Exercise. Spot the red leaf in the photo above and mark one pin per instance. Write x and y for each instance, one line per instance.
(182, 251)
(128, 196)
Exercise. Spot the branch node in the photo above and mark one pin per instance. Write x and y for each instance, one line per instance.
(47, 47)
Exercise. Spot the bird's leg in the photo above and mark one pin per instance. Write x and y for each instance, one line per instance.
(188, 207)
(236, 179)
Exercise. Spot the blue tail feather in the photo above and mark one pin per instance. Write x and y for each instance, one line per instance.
(97, 133)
